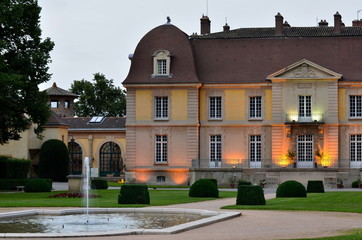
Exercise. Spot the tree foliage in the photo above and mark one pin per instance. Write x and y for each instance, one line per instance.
(24, 59)
(100, 98)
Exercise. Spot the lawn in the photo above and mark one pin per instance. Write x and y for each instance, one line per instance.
(329, 201)
(109, 199)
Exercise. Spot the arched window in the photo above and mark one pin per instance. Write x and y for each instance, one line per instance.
(161, 63)
(110, 159)
(75, 157)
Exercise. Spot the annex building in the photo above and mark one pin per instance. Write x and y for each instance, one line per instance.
(271, 104)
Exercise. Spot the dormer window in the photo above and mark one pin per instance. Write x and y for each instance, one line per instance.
(161, 63)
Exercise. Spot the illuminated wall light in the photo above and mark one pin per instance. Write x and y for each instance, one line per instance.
(283, 161)
(294, 117)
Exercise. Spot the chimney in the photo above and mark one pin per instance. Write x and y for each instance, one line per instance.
(323, 23)
(357, 23)
(286, 24)
(279, 24)
(337, 23)
(205, 25)
(226, 27)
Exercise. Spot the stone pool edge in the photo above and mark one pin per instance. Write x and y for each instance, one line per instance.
(211, 217)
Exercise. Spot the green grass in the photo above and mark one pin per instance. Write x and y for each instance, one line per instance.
(330, 201)
(355, 234)
(109, 199)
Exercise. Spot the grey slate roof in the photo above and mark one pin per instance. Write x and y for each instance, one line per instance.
(109, 123)
(288, 32)
(55, 91)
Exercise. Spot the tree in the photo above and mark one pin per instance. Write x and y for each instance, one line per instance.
(100, 98)
(24, 59)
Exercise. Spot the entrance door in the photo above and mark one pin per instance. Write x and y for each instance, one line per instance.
(305, 151)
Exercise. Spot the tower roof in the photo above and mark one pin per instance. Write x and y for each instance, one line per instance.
(56, 91)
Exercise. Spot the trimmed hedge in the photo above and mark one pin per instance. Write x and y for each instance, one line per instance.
(99, 184)
(291, 189)
(250, 195)
(243, 182)
(315, 186)
(14, 168)
(54, 160)
(204, 188)
(134, 194)
(212, 180)
(10, 184)
(37, 185)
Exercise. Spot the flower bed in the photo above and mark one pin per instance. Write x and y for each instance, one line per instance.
(73, 195)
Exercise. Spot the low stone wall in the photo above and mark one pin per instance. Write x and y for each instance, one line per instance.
(273, 177)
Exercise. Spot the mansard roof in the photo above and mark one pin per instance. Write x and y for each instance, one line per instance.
(288, 32)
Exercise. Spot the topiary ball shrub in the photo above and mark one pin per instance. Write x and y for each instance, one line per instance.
(54, 160)
(243, 182)
(291, 189)
(315, 186)
(250, 195)
(99, 184)
(204, 188)
(37, 185)
(134, 194)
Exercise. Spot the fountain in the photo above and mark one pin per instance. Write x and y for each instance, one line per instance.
(104, 221)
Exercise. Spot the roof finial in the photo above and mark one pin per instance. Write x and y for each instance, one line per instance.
(168, 19)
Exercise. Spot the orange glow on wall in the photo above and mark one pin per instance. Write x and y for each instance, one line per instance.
(143, 176)
(179, 177)
(283, 161)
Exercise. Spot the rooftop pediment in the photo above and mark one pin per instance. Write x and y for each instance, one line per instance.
(304, 69)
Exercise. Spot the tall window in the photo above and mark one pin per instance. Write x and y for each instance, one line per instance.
(161, 149)
(255, 107)
(215, 150)
(356, 150)
(110, 159)
(161, 67)
(255, 150)
(161, 107)
(66, 104)
(75, 157)
(305, 108)
(355, 106)
(305, 151)
(215, 108)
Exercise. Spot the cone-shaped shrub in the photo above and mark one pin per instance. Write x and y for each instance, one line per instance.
(250, 195)
(204, 188)
(291, 189)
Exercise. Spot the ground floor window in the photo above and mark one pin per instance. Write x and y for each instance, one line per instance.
(161, 149)
(255, 151)
(75, 157)
(356, 151)
(305, 154)
(110, 159)
(215, 151)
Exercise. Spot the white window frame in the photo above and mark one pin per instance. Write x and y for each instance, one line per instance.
(161, 149)
(161, 108)
(355, 150)
(305, 154)
(305, 108)
(161, 64)
(255, 107)
(255, 151)
(215, 107)
(215, 150)
(355, 106)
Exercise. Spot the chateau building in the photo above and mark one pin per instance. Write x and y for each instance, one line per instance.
(271, 104)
